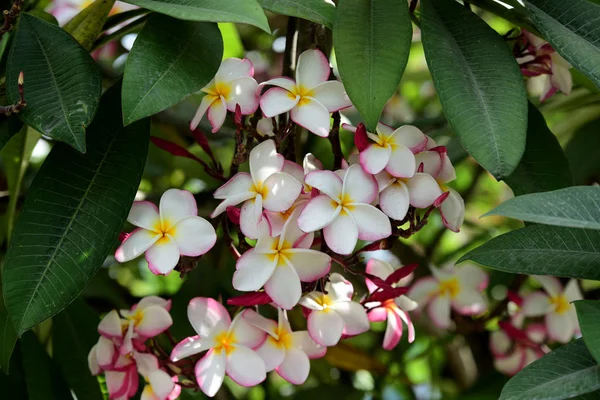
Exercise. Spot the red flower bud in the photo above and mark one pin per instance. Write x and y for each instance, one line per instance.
(233, 213)
(250, 299)
(202, 141)
(361, 140)
(173, 148)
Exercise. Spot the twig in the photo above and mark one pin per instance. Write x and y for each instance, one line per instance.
(10, 16)
(413, 5)
(334, 139)
(16, 108)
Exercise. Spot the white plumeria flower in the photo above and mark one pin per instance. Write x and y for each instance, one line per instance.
(560, 79)
(280, 264)
(395, 311)
(159, 384)
(229, 343)
(168, 232)
(232, 85)
(392, 150)
(513, 349)
(343, 209)
(556, 306)
(459, 288)
(334, 314)
(102, 356)
(310, 98)
(265, 186)
(286, 352)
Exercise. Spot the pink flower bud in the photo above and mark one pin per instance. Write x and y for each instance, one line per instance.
(361, 140)
(250, 299)
(173, 148)
(438, 202)
(233, 213)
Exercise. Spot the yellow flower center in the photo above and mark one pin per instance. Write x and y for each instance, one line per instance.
(561, 304)
(165, 229)
(449, 287)
(224, 342)
(384, 140)
(218, 89)
(261, 189)
(284, 338)
(346, 203)
(324, 301)
(301, 91)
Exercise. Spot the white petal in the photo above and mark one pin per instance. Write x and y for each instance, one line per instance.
(282, 81)
(318, 213)
(339, 288)
(291, 233)
(294, 170)
(469, 302)
(210, 371)
(207, 316)
(394, 200)
(325, 327)
(105, 353)
(144, 215)
(472, 276)
(282, 190)
(253, 270)
(411, 137)
(217, 113)
(572, 291)
(431, 161)
(232, 201)
(303, 341)
(500, 343)
(194, 236)
(277, 101)
(447, 173)
(265, 127)
(243, 92)
(310, 265)
(312, 69)
(295, 366)
(439, 311)
(312, 115)
(402, 162)
(453, 211)
(163, 256)
(153, 301)
(536, 304)
(265, 161)
(245, 367)
(161, 383)
(136, 244)
(271, 353)
(206, 102)
(326, 181)
(188, 347)
(551, 284)
(240, 183)
(374, 158)
(245, 333)
(93, 365)
(393, 331)
(266, 325)
(250, 217)
(284, 287)
(423, 190)
(360, 186)
(332, 95)
(423, 290)
(560, 327)
(342, 234)
(232, 68)
(512, 363)
(378, 268)
(354, 316)
(155, 321)
(175, 205)
(372, 224)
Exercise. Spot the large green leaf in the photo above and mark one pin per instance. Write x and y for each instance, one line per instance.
(582, 152)
(372, 42)
(543, 166)
(319, 11)
(479, 84)
(62, 83)
(588, 313)
(571, 27)
(9, 127)
(75, 332)
(170, 60)
(576, 207)
(43, 379)
(244, 11)
(564, 373)
(543, 250)
(8, 337)
(87, 25)
(70, 221)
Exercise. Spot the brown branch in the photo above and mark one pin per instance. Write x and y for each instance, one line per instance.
(19, 105)
(334, 139)
(10, 16)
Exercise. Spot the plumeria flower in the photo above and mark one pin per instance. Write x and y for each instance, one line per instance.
(392, 150)
(159, 384)
(122, 383)
(459, 288)
(232, 85)
(265, 186)
(310, 98)
(556, 307)
(168, 232)
(102, 356)
(343, 209)
(286, 352)
(333, 314)
(265, 127)
(280, 264)
(229, 344)
(513, 349)
(394, 310)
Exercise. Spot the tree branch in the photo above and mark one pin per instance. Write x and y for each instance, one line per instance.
(10, 16)
(19, 105)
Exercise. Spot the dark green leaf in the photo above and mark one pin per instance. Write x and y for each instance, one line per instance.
(43, 379)
(244, 11)
(543, 166)
(75, 208)
(571, 27)
(75, 332)
(8, 337)
(372, 42)
(9, 127)
(582, 152)
(479, 84)
(576, 207)
(543, 250)
(62, 83)
(87, 25)
(319, 11)
(588, 313)
(564, 373)
(170, 60)
(13, 385)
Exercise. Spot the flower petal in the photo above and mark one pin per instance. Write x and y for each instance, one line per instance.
(469, 302)
(277, 101)
(511, 363)
(411, 327)
(431, 162)
(402, 162)
(136, 244)
(163, 256)
(377, 314)
(175, 205)
(240, 183)
(411, 137)
(325, 327)
(105, 353)
(359, 185)
(210, 371)
(536, 304)
(161, 384)
(354, 316)
(332, 95)
(560, 327)
(250, 217)
(245, 367)
(312, 115)
(380, 269)
(327, 182)
(393, 331)
(472, 276)
(318, 213)
(271, 353)
(194, 236)
(110, 326)
(253, 270)
(551, 284)
(394, 200)
(266, 325)
(283, 82)
(295, 366)
(303, 341)
(245, 333)
(572, 291)
(232, 68)
(205, 103)
(423, 190)
(282, 191)
(232, 201)
(310, 265)
(374, 158)
(243, 93)
(188, 347)
(93, 364)
(439, 311)
(153, 301)
(265, 161)
(342, 234)
(292, 234)
(284, 286)
(371, 222)
(144, 214)
(339, 288)
(312, 69)
(207, 316)
(155, 321)
(423, 290)
(294, 170)
(217, 113)
(453, 211)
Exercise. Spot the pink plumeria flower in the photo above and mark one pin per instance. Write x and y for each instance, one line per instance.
(229, 343)
(394, 310)
(513, 349)
(459, 288)
(393, 149)
(232, 85)
(310, 98)
(159, 384)
(123, 380)
(168, 232)
(265, 186)
(280, 264)
(334, 314)
(148, 318)
(343, 209)
(102, 356)
(286, 352)
(556, 307)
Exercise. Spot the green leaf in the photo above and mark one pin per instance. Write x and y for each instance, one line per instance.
(62, 83)
(479, 84)
(87, 25)
(588, 313)
(582, 152)
(9, 127)
(543, 166)
(71, 218)
(576, 207)
(571, 28)
(8, 337)
(170, 60)
(13, 385)
(564, 373)
(232, 43)
(43, 379)
(319, 11)
(75, 332)
(542, 250)
(372, 42)
(243, 11)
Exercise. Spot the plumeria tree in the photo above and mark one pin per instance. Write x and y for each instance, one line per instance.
(252, 199)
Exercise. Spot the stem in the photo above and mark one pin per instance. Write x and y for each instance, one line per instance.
(20, 104)
(334, 139)
(10, 16)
